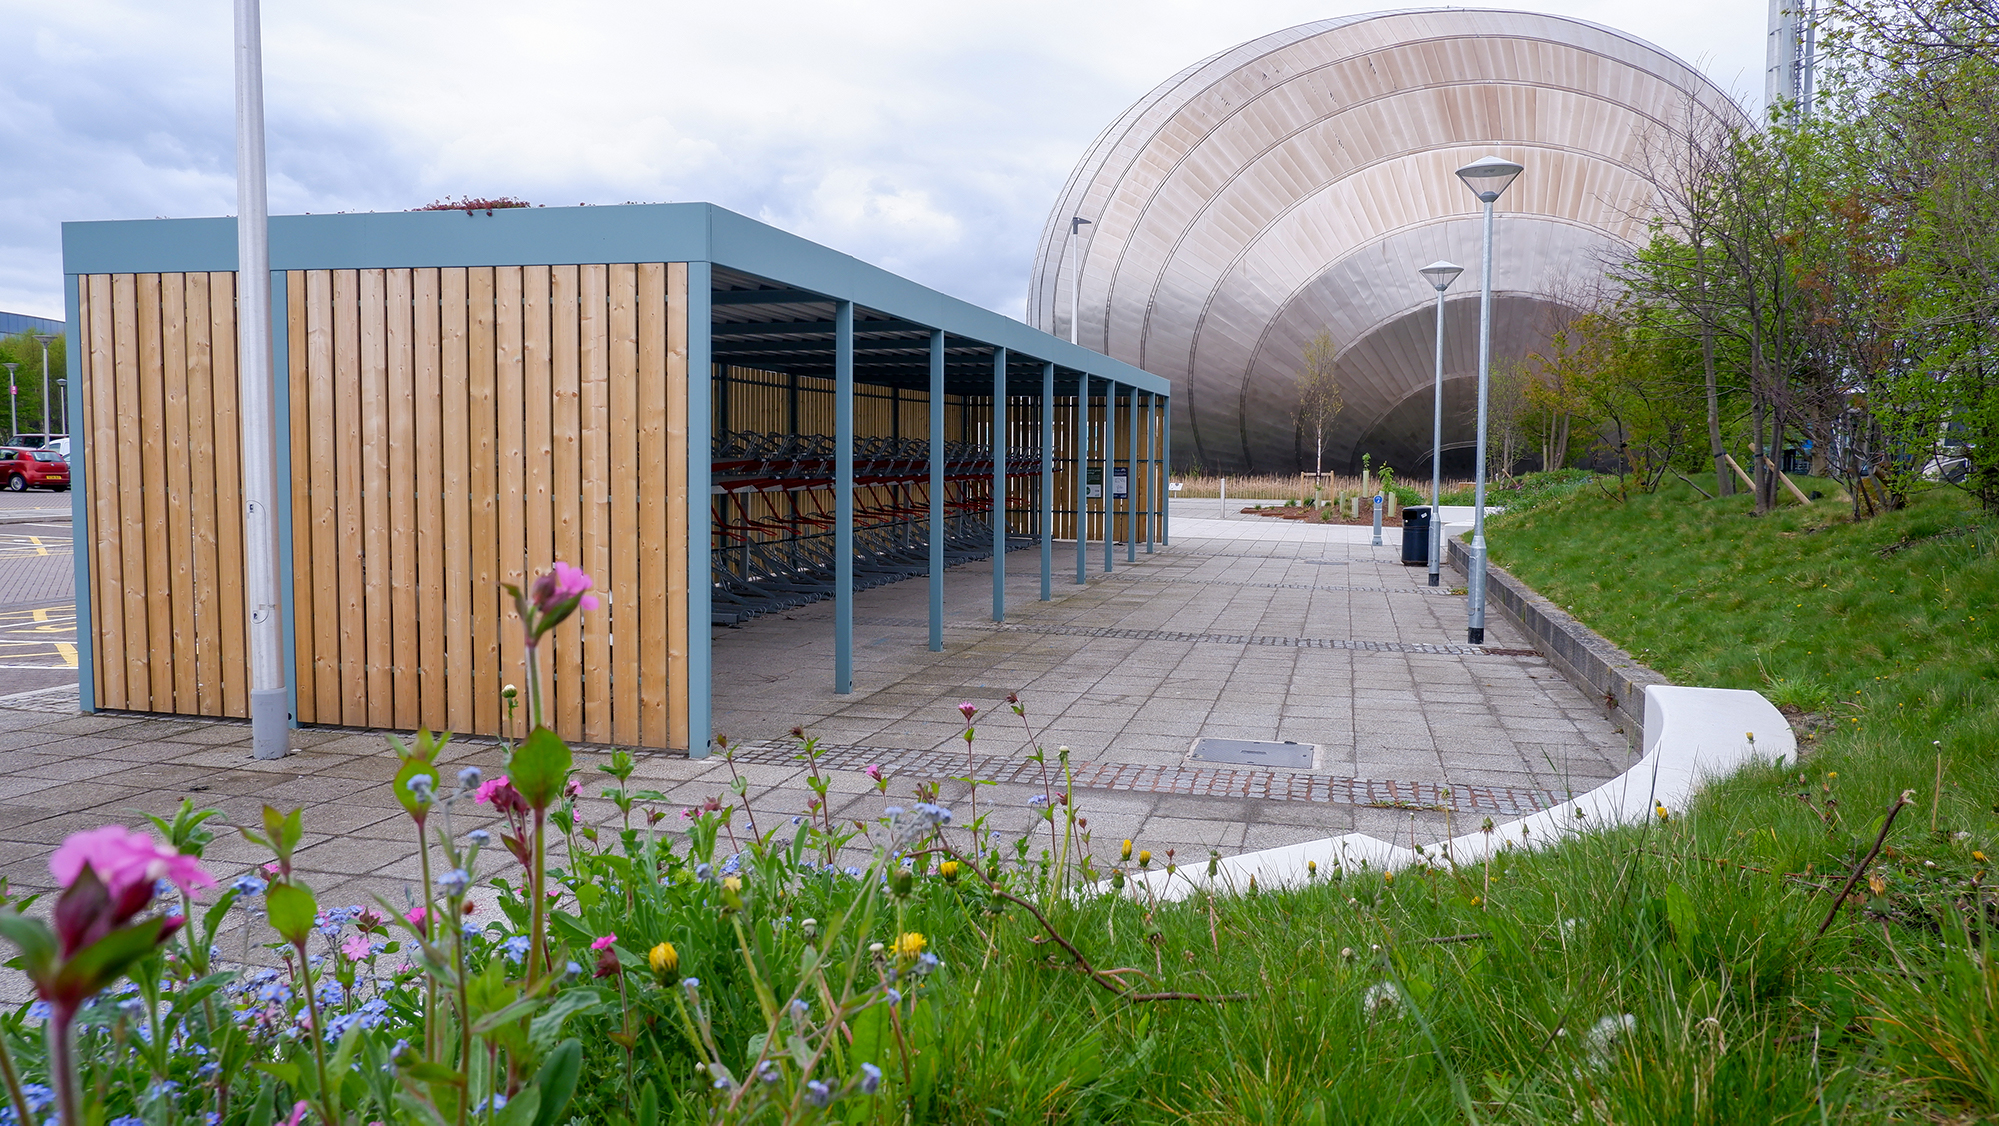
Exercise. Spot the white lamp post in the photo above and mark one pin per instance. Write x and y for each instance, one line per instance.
(270, 706)
(44, 341)
(1440, 275)
(1487, 177)
(62, 403)
(1076, 225)
(13, 410)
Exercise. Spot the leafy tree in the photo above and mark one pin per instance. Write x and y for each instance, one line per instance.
(22, 349)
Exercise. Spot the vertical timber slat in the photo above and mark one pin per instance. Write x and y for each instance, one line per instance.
(626, 603)
(375, 531)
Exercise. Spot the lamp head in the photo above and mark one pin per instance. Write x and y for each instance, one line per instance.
(1441, 274)
(1488, 176)
(1077, 223)
(44, 340)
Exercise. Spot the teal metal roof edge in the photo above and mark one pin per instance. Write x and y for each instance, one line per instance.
(665, 232)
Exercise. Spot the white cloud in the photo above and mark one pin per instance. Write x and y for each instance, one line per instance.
(928, 138)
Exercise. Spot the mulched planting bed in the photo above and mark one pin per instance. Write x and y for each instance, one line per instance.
(1292, 512)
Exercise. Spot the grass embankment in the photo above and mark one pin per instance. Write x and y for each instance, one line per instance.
(1704, 928)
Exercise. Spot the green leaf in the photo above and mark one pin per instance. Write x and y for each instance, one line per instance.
(285, 1071)
(540, 767)
(343, 1056)
(34, 939)
(291, 908)
(648, 1114)
(424, 1071)
(519, 1010)
(521, 1110)
(579, 1000)
(1681, 914)
(557, 1080)
(412, 768)
(101, 963)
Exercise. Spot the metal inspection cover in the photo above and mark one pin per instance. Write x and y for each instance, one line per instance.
(1255, 752)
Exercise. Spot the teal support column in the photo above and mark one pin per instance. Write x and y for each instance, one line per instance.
(843, 497)
(1155, 477)
(700, 509)
(1082, 444)
(1110, 466)
(81, 539)
(936, 491)
(999, 484)
(1166, 473)
(1132, 514)
(1047, 480)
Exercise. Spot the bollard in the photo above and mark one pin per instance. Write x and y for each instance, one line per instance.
(1225, 498)
(1377, 519)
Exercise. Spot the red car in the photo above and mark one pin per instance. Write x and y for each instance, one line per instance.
(38, 469)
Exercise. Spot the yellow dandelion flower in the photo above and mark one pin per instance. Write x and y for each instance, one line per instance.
(664, 959)
(909, 945)
(1124, 852)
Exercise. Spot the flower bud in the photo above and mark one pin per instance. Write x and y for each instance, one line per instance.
(664, 960)
(948, 870)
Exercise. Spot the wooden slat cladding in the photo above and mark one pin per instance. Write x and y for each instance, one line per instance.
(450, 429)
(165, 551)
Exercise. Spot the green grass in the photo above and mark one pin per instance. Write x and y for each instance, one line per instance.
(1704, 928)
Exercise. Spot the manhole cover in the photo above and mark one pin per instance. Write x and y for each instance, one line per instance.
(1255, 752)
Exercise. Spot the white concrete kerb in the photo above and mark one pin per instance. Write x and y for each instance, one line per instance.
(1692, 736)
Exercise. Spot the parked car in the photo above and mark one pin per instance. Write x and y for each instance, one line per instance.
(33, 469)
(36, 441)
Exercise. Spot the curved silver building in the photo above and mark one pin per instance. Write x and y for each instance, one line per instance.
(1294, 184)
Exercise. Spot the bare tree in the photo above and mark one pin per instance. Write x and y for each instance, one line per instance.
(1319, 397)
(1509, 400)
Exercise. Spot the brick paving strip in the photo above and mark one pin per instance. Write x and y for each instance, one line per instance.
(1434, 591)
(1196, 781)
(1216, 638)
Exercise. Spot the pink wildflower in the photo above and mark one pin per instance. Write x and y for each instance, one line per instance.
(873, 771)
(605, 942)
(356, 947)
(490, 787)
(123, 858)
(574, 789)
(968, 709)
(415, 916)
(298, 1113)
(559, 586)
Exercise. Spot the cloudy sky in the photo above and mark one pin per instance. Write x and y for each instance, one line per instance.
(926, 137)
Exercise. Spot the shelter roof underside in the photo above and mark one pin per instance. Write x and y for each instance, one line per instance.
(770, 327)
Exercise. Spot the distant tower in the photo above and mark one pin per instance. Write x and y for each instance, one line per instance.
(1787, 73)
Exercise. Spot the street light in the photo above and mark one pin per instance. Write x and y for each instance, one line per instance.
(1440, 275)
(13, 398)
(44, 341)
(1076, 225)
(62, 403)
(1487, 177)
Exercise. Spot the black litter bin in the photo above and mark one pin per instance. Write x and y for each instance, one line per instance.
(1416, 536)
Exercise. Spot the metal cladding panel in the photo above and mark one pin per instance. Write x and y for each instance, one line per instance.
(1293, 184)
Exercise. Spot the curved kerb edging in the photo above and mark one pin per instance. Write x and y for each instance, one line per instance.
(1692, 736)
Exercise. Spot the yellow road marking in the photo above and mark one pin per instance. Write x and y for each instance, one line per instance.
(68, 653)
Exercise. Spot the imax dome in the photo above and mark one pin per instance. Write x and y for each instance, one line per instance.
(1294, 184)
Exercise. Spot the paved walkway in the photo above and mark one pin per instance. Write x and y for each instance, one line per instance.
(1247, 628)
